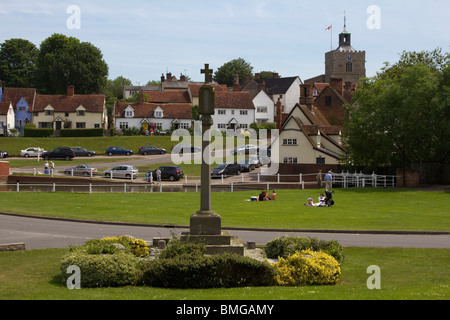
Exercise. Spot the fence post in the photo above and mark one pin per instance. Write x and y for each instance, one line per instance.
(222, 178)
(258, 177)
(242, 177)
(196, 187)
(54, 187)
(124, 188)
(90, 188)
(231, 186)
(71, 172)
(34, 172)
(278, 178)
(160, 187)
(18, 188)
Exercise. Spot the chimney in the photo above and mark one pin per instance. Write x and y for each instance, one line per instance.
(141, 97)
(262, 86)
(257, 76)
(279, 115)
(70, 91)
(247, 77)
(306, 95)
(162, 78)
(236, 86)
(337, 84)
(182, 77)
(169, 76)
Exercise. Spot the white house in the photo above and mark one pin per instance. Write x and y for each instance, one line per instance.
(7, 118)
(264, 108)
(233, 110)
(164, 116)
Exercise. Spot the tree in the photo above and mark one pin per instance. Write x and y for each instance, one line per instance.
(225, 74)
(114, 91)
(401, 116)
(66, 61)
(18, 59)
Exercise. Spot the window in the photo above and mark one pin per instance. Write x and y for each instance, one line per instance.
(289, 142)
(158, 114)
(80, 113)
(185, 125)
(123, 125)
(48, 112)
(261, 109)
(221, 126)
(96, 125)
(35, 114)
(320, 160)
(66, 114)
(158, 125)
(244, 126)
(290, 160)
(45, 125)
(328, 101)
(221, 111)
(81, 125)
(244, 112)
(129, 114)
(349, 67)
(22, 108)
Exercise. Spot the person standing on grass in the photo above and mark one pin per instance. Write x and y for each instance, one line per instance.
(319, 179)
(158, 175)
(328, 181)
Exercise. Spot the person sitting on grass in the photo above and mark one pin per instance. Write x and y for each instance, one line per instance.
(262, 196)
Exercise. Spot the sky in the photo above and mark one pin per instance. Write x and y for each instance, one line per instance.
(141, 40)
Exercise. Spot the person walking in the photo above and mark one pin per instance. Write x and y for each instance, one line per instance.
(328, 181)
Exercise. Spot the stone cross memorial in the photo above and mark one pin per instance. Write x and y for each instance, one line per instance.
(205, 224)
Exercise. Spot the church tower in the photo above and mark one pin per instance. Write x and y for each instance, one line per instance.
(345, 62)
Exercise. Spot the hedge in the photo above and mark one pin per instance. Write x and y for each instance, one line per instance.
(99, 132)
(289, 245)
(38, 133)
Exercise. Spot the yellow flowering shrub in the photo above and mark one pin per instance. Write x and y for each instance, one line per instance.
(137, 246)
(307, 267)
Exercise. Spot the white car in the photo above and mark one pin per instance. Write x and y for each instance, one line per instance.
(122, 172)
(31, 152)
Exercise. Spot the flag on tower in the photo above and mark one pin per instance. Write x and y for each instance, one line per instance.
(329, 28)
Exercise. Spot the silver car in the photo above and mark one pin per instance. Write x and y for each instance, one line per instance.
(82, 170)
(31, 152)
(121, 172)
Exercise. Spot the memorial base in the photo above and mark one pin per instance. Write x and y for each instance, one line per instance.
(216, 244)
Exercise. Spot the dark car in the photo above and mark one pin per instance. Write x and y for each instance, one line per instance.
(188, 148)
(4, 154)
(81, 152)
(247, 165)
(226, 169)
(118, 150)
(145, 150)
(172, 173)
(59, 153)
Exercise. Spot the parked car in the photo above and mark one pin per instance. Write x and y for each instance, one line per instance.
(82, 152)
(31, 152)
(4, 154)
(181, 148)
(145, 150)
(172, 173)
(247, 166)
(81, 170)
(118, 150)
(245, 149)
(226, 169)
(122, 172)
(255, 160)
(59, 153)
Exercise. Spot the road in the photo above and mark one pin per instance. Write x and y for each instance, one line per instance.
(39, 233)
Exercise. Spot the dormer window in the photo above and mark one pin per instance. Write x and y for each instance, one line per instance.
(158, 113)
(129, 112)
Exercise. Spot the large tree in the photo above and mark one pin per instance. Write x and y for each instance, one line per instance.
(226, 73)
(18, 59)
(401, 116)
(67, 61)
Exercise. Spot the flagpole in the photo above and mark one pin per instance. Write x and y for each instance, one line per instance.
(331, 38)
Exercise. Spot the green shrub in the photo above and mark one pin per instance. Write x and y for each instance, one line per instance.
(199, 271)
(307, 268)
(102, 270)
(97, 132)
(286, 246)
(177, 247)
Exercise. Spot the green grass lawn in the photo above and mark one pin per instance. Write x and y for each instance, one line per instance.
(354, 209)
(406, 274)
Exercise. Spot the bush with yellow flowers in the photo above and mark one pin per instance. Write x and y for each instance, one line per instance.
(307, 267)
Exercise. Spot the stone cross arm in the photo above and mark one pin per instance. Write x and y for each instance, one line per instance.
(207, 72)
